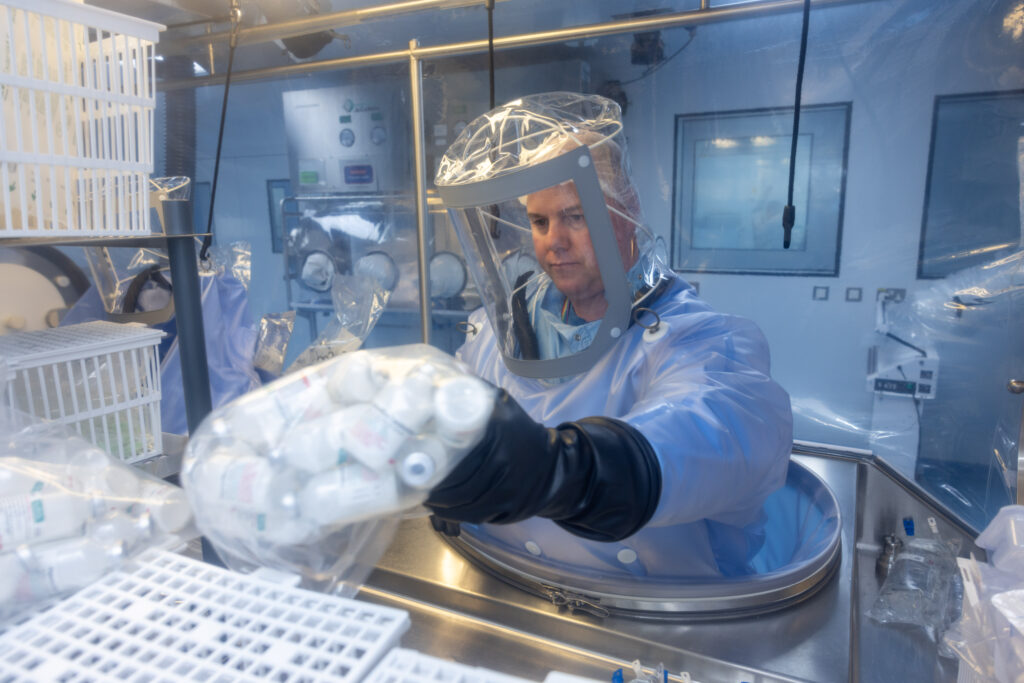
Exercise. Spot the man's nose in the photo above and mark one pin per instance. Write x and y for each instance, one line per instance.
(558, 234)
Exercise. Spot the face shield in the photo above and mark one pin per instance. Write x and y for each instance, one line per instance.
(551, 229)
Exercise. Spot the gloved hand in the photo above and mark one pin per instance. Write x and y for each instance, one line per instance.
(444, 526)
(597, 477)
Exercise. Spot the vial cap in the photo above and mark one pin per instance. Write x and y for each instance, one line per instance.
(417, 469)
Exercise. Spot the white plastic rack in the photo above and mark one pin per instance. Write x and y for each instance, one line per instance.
(77, 93)
(177, 619)
(100, 378)
(409, 666)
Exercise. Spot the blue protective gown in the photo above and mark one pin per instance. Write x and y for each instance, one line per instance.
(703, 397)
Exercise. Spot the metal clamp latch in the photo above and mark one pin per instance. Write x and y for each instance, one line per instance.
(575, 602)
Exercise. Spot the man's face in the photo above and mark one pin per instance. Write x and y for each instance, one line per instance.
(562, 243)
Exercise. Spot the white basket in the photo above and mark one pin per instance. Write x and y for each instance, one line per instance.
(100, 378)
(77, 92)
(174, 618)
(409, 666)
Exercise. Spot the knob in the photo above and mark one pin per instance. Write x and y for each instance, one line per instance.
(1015, 386)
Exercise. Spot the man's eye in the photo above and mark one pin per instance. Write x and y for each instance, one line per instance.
(539, 223)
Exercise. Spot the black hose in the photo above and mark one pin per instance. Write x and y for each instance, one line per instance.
(789, 213)
(490, 46)
(208, 238)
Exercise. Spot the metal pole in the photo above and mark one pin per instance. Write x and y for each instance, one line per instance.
(188, 311)
(688, 18)
(1020, 462)
(420, 165)
(313, 23)
(1017, 387)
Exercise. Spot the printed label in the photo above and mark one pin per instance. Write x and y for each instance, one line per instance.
(37, 511)
(15, 521)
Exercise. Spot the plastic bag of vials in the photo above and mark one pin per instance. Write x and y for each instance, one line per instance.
(70, 513)
(310, 474)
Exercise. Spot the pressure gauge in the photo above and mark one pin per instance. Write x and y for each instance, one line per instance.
(347, 137)
(378, 135)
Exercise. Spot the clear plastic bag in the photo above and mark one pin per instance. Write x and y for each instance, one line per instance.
(988, 638)
(359, 301)
(1003, 539)
(70, 513)
(309, 474)
(921, 589)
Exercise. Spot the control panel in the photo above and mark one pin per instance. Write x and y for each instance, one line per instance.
(916, 378)
(346, 139)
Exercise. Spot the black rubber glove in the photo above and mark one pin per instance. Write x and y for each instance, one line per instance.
(444, 526)
(597, 478)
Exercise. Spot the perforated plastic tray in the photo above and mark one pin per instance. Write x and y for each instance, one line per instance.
(174, 619)
(409, 666)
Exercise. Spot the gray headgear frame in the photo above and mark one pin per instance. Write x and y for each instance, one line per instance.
(576, 165)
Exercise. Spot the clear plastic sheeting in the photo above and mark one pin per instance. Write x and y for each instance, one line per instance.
(310, 474)
(964, 337)
(334, 237)
(230, 331)
(174, 188)
(70, 513)
(359, 301)
(988, 638)
(272, 343)
(114, 270)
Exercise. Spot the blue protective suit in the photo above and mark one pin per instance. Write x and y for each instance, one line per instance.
(721, 427)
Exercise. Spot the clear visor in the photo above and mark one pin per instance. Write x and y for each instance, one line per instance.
(557, 269)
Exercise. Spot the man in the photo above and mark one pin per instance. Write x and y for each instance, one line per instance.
(638, 432)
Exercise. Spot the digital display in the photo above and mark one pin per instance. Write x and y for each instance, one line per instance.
(895, 386)
(362, 173)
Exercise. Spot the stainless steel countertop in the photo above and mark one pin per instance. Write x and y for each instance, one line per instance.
(463, 613)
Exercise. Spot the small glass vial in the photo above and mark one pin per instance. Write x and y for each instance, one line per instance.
(423, 462)
(462, 407)
(348, 494)
(353, 379)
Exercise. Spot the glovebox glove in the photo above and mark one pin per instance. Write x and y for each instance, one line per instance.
(444, 526)
(597, 477)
